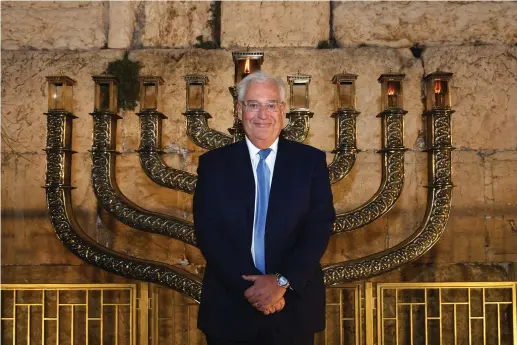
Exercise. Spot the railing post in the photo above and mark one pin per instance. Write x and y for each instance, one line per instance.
(143, 314)
(368, 312)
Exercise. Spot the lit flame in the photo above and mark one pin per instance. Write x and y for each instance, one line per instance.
(247, 66)
(437, 87)
(391, 89)
(54, 96)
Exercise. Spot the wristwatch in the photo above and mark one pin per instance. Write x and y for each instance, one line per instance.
(282, 281)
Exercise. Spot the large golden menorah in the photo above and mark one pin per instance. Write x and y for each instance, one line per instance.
(59, 157)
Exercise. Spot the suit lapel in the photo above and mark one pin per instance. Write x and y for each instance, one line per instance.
(279, 187)
(244, 182)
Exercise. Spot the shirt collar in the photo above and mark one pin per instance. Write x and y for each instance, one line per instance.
(254, 150)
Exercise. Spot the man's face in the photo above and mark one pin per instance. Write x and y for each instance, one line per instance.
(263, 124)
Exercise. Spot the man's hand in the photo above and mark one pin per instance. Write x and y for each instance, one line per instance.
(264, 292)
(275, 307)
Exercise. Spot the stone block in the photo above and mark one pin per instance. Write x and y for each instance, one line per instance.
(138, 188)
(356, 244)
(138, 244)
(501, 205)
(464, 236)
(402, 24)
(457, 245)
(360, 184)
(274, 24)
(53, 25)
(173, 24)
(121, 23)
(25, 95)
(84, 202)
(27, 234)
(483, 89)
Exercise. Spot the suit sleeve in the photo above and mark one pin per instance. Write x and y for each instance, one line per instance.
(313, 239)
(222, 257)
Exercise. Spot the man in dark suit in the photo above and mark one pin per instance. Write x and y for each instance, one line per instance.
(263, 214)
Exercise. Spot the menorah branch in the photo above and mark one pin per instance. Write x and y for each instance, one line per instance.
(151, 156)
(392, 181)
(346, 144)
(112, 200)
(201, 134)
(64, 223)
(298, 127)
(435, 219)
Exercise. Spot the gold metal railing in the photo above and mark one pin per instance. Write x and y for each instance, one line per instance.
(345, 311)
(65, 314)
(447, 313)
(361, 313)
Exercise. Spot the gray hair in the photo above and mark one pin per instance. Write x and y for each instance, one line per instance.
(259, 77)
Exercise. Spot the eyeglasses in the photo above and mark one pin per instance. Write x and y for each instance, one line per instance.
(254, 106)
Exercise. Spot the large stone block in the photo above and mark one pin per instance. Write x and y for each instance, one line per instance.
(407, 215)
(53, 25)
(173, 23)
(121, 23)
(25, 95)
(464, 236)
(27, 234)
(501, 205)
(138, 244)
(402, 24)
(274, 24)
(138, 188)
(483, 91)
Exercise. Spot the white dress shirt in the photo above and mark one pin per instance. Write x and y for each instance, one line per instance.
(270, 161)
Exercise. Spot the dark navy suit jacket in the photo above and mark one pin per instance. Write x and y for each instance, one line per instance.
(298, 226)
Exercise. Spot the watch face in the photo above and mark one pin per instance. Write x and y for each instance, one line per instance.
(282, 281)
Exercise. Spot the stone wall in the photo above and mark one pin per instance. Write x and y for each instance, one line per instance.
(476, 41)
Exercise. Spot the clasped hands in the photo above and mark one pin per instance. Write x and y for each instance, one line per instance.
(265, 295)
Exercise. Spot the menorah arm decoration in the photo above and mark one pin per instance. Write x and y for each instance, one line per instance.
(64, 223)
(201, 134)
(438, 122)
(392, 180)
(298, 127)
(112, 199)
(150, 155)
(346, 144)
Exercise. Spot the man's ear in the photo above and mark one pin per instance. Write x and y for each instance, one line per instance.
(239, 110)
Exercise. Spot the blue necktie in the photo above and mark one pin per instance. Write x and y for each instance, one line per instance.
(263, 177)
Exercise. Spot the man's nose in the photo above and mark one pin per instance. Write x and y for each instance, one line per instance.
(262, 113)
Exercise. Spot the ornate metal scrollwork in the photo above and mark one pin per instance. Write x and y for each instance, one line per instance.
(298, 127)
(151, 160)
(435, 219)
(346, 144)
(110, 197)
(58, 191)
(201, 134)
(392, 180)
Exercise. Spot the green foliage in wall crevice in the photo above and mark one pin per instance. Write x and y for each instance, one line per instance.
(127, 73)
